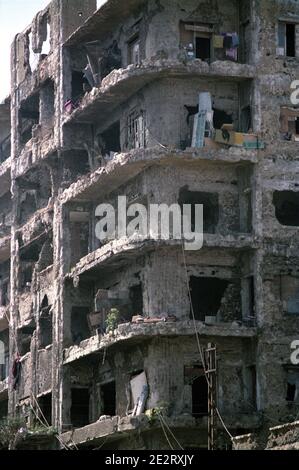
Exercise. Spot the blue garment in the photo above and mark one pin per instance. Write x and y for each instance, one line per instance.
(235, 40)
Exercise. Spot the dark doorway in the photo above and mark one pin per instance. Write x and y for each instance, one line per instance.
(79, 324)
(206, 295)
(45, 325)
(291, 40)
(210, 207)
(108, 396)
(45, 403)
(199, 393)
(109, 140)
(136, 298)
(78, 84)
(80, 407)
(203, 48)
(287, 207)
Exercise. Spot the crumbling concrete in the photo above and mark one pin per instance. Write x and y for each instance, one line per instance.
(104, 103)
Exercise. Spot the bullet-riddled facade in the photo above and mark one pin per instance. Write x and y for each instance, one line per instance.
(105, 103)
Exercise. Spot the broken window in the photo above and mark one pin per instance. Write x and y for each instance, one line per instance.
(286, 39)
(28, 117)
(108, 399)
(4, 292)
(245, 119)
(26, 271)
(79, 232)
(221, 117)
(136, 130)
(4, 368)
(25, 335)
(250, 385)
(3, 409)
(289, 123)
(79, 324)
(206, 295)
(80, 407)
(5, 214)
(75, 164)
(134, 51)
(195, 377)
(289, 291)
(35, 192)
(109, 140)
(292, 391)
(5, 149)
(248, 297)
(28, 204)
(136, 297)
(287, 207)
(46, 46)
(4, 352)
(47, 101)
(111, 60)
(45, 324)
(45, 404)
(79, 86)
(210, 207)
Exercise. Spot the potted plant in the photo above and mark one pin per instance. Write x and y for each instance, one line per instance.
(112, 320)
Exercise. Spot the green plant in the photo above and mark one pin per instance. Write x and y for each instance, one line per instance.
(9, 428)
(112, 319)
(154, 413)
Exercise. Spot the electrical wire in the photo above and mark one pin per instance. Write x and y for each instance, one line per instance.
(170, 431)
(47, 427)
(47, 424)
(166, 437)
(200, 349)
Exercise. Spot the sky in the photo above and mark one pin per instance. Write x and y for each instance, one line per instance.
(15, 16)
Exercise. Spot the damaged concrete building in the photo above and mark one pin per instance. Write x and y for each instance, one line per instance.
(100, 342)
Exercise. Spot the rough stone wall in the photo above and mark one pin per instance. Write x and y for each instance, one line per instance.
(50, 150)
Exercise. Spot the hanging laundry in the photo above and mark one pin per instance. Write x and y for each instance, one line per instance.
(16, 371)
(235, 40)
(232, 54)
(228, 41)
(218, 41)
(231, 43)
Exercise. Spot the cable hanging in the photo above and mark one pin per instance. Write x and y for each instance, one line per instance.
(200, 348)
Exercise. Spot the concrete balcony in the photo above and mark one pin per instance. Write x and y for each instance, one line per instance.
(118, 427)
(35, 151)
(134, 333)
(36, 225)
(125, 166)
(123, 251)
(121, 84)
(282, 437)
(5, 179)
